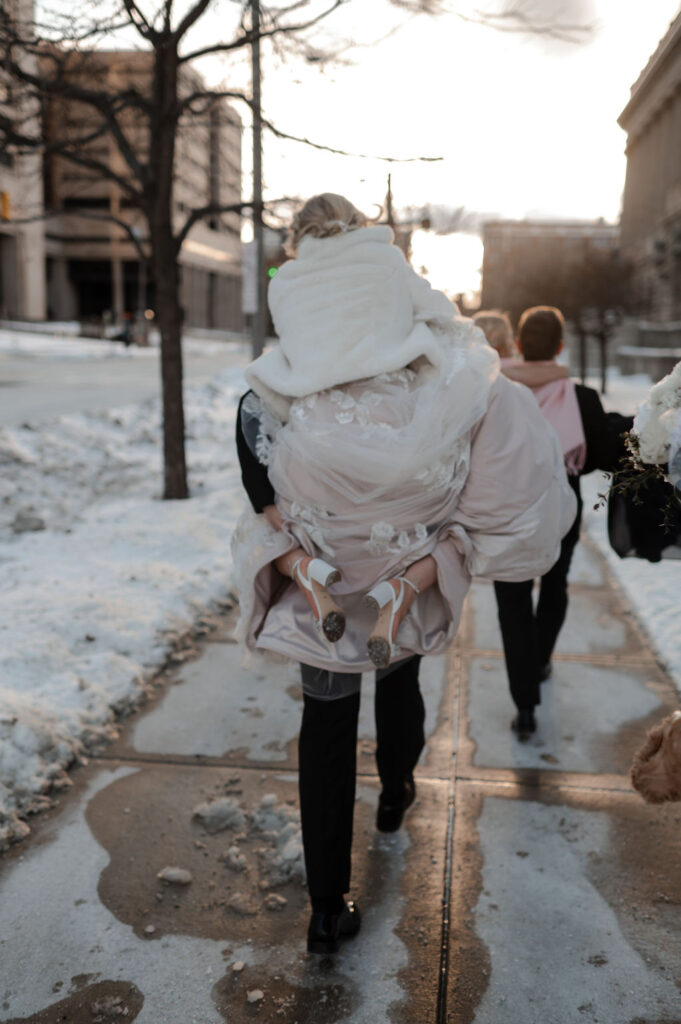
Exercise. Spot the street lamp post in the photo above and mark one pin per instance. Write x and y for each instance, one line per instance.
(258, 331)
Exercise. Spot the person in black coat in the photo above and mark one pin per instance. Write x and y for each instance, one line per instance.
(591, 439)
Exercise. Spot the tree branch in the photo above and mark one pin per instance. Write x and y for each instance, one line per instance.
(190, 18)
(250, 36)
(516, 20)
(211, 97)
(108, 106)
(139, 20)
(105, 218)
(201, 212)
(341, 152)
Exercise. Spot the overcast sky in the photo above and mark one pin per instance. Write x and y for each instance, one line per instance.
(526, 126)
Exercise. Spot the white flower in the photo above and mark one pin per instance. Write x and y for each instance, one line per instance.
(657, 421)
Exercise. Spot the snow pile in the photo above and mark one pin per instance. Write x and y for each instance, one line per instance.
(266, 849)
(280, 825)
(220, 814)
(92, 604)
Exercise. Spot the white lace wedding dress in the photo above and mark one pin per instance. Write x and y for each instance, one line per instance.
(372, 475)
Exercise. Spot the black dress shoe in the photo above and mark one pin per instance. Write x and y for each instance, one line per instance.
(326, 930)
(524, 724)
(545, 672)
(389, 816)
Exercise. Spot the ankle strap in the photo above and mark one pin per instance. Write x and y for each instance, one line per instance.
(412, 585)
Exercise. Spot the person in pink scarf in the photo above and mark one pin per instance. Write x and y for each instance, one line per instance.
(588, 442)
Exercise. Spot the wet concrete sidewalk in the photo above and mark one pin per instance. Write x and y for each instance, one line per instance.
(530, 884)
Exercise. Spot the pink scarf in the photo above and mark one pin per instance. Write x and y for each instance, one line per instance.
(557, 400)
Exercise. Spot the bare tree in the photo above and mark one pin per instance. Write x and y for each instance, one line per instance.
(55, 61)
(59, 62)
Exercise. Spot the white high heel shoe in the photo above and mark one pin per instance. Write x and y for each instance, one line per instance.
(387, 598)
(313, 578)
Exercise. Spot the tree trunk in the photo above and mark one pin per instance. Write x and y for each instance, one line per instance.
(165, 264)
(169, 314)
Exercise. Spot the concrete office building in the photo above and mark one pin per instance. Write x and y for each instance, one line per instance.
(22, 245)
(93, 267)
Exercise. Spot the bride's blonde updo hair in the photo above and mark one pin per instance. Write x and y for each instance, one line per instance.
(323, 216)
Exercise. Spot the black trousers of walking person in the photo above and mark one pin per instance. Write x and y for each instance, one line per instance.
(529, 635)
(327, 753)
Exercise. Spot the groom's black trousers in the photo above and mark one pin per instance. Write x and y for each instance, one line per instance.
(529, 635)
(327, 753)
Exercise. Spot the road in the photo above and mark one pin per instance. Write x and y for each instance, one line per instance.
(34, 389)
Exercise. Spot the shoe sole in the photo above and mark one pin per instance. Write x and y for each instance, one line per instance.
(378, 650)
(334, 626)
(403, 810)
(323, 948)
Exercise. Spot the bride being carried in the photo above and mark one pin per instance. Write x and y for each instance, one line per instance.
(369, 419)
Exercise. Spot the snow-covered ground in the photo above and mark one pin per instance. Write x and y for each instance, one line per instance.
(99, 577)
(41, 344)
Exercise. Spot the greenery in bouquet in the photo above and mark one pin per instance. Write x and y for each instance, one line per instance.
(654, 443)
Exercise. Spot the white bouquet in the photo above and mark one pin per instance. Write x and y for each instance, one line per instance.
(656, 434)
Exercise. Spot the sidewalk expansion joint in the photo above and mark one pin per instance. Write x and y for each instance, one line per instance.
(537, 778)
(251, 766)
(619, 660)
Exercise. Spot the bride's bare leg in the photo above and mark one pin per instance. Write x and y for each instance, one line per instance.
(422, 574)
(285, 563)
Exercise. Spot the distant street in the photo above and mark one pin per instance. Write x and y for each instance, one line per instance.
(37, 389)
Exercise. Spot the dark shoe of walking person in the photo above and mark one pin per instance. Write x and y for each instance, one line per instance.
(524, 724)
(326, 930)
(389, 815)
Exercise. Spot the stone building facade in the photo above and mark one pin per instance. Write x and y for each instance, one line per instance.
(522, 259)
(22, 245)
(651, 210)
(93, 268)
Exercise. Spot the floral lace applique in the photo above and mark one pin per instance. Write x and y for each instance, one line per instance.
(309, 516)
(265, 424)
(450, 472)
(386, 540)
(357, 410)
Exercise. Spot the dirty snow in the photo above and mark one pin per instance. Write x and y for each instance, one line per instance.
(220, 814)
(99, 577)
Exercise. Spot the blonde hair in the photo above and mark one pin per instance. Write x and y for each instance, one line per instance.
(323, 216)
(496, 327)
